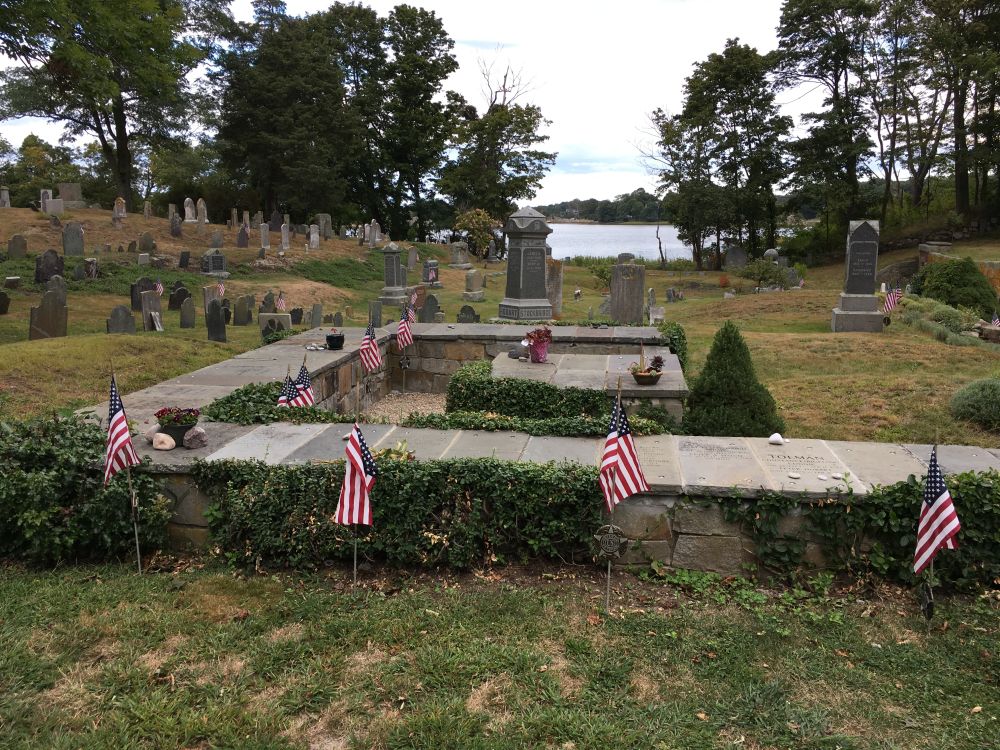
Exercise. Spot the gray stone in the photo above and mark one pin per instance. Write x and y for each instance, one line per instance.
(411, 259)
(12, 282)
(177, 297)
(133, 246)
(171, 211)
(214, 262)
(721, 554)
(317, 314)
(803, 466)
(274, 223)
(393, 276)
(720, 465)
(151, 312)
(187, 313)
(431, 276)
(57, 284)
(147, 210)
(265, 237)
(144, 284)
(175, 226)
(374, 234)
(215, 321)
(467, 315)
(121, 321)
(17, 247)
(862, 257)
(554, 284)
(624, 258)
(267, 304)
(428, 312)
(243, 237)
(284, 237)
(209, 293)
(73, 239)
(459, 254)
(4, 196)
(735, 258)
(375, 313)
(338, 320)
(627, 284)
(195, 438)
(49, 319)
(78, 274)
(202, 208)
(4, 303)
(217, 239)
(324, 222)
(56, 208)
(314, 236)
(474, 286)
(242, 314)
(273, 322)
(143, 259)
(185, 259)
(296, 315)
(190, 216)
(524, 297)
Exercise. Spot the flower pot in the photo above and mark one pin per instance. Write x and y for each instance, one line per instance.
(646, 378)
(176, 431)
(334, 341)
(538, 351)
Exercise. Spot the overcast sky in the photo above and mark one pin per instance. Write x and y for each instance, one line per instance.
(597, 69)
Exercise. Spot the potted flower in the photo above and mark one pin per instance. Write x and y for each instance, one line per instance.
(646, 373)
(335, 339)
(175, 421)
(538, 342)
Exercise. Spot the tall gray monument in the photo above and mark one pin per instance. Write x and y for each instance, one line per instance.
(524, 298)
(858, 309)
(394, 279)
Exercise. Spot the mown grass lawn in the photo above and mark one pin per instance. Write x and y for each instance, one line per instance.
(99, 657)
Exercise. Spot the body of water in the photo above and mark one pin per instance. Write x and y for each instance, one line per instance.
(601, 240)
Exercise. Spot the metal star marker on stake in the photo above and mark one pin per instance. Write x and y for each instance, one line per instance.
(611, 541)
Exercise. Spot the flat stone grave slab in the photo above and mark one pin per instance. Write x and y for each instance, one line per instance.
(219, 434)
(716, 466)
(506, 446)
(236, 373)
(270, 443)
(141, 405)
(877, 463)
(812, 460)
(659, 462)
(329, 445)
(955, 459)
(575, 450)
(427, 444)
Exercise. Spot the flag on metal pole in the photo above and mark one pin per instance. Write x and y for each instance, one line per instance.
(411, 311)
(371, 356)
(158, 286)
(938, 523)
(892, 299)
(288, 393)
(620, 473)
(120, 453)
(303, 384)
(404, 336)
(354, 505)
(221, 288)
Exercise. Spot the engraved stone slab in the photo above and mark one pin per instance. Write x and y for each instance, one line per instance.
(877, 463)
(717, 465)
(659, 462)
(813, 462)
(862, 258)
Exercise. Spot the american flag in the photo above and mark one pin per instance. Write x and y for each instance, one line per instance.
(354, 505)
(891, 299)
(120, 451)
(996, 320)
(620, 473)
(222, 288)
(159, 288)
(938, 520)
(404, 336)
(279, 303)
(304, 385)
(288, 393)
(411, 312)
(371, 357)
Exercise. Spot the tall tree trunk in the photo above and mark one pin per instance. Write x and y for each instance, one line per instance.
(123, 153)
(961, 148)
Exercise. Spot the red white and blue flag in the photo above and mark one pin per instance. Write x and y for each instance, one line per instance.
(892, 299)
(411, 311)
(620, 473)
(354, 505)
(119, 453)
(404, 336)
(221, 288)
(289, 393)
(371, 356)
(303, 384)
(938, 520)
(279, 303)
(996, 320)
(159, 288)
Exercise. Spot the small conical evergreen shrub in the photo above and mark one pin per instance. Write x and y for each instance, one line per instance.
(726, 398)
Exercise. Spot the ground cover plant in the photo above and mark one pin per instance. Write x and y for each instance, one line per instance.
(195, 656)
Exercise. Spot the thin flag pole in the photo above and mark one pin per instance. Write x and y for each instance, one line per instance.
(135, 517)
(611, 517)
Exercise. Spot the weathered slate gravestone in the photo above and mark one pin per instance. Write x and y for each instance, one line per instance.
(242, 311)
(627, 283)
(177, 297)
(243, 237)
(474, 291)
(491, 252)
(375, 313)
(296, 315)
(147, 210)
(144, 284)
(274, 322)
(338, 319)
(146, 243)
(73, 239)
(431, 275)
(47, 265)
(429, 311)
(374, 233)
(175, 226)
(234, 218)
(185, 259)
(265, 237)
(858, 309)
(133, 247)
(214, 262)
(118, 213)
(57, 284)
(171, 211)
(460, 255)
(325, 224)
(187, 313)
(554, 284)
(246, 219)
(274, 223)
(4, 303)
(313, 236)
(121, 321)
(202, 209)
(411, 259)
(48, 320)
(4, 196)
(17, 247)
(143, 259)
(217, 239)
(215, 321)
(78, 273)
(467, 315)
(284, 236)
(44, 196)
(735, 258)
(524, 297)
(227, 310)
(317, 314)
(267, 304)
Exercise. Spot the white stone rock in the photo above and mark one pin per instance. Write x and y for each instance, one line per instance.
(794, 475)
(163, 442)
(151, 433)
(821, 477)
(837, 476)
(776, 439)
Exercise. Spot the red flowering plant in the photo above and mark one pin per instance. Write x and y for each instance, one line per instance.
(541, 335)
(171, 415)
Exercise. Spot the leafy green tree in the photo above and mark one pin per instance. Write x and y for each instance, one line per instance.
(727, 398)
(957, 282)
(39, 165)
(478, 227)
(114, 71)
(764, 272)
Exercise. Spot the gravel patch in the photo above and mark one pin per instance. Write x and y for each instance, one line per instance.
(398, 405)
